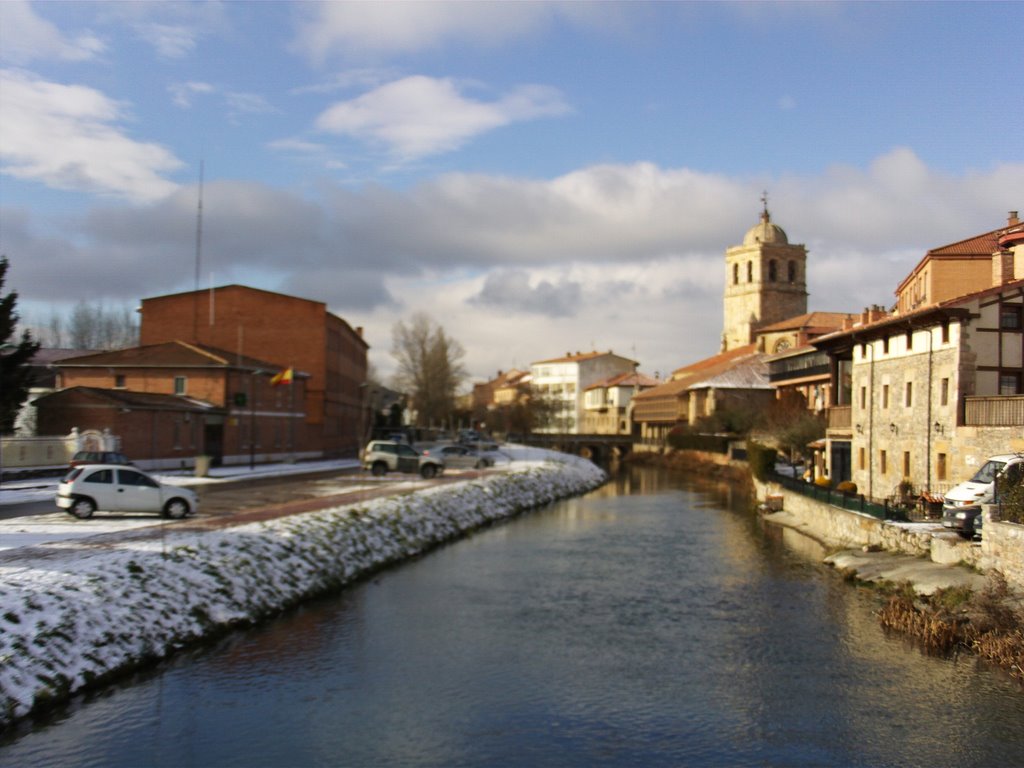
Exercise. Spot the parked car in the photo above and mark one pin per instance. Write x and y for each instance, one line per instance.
(99, 457)
(961, 506)
(117, 488)
(457, 456)
(383, 456)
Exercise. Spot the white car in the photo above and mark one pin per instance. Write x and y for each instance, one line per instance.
(116, 488)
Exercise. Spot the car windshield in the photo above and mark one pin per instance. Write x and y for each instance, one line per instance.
(988, 472)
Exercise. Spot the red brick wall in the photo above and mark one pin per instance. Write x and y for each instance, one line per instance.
(283, 330)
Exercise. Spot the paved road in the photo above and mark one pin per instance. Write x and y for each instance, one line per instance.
(221, 505)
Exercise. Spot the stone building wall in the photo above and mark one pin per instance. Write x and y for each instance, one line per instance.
(893, 440)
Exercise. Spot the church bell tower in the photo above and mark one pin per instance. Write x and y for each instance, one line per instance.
(765, 281)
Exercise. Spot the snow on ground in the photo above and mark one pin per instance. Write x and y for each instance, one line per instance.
(79, 611)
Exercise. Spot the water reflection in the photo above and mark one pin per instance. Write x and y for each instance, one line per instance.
(653, 622)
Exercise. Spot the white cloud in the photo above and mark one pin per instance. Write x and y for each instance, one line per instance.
(67, 137)
(325, 29)
(28, 37)
(171, 41)
(419, 116)
(618, 257)
(183, 92)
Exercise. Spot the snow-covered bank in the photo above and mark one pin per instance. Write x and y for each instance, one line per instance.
(83, 612)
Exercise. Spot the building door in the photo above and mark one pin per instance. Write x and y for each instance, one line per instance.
(840, 461)
(213, 442)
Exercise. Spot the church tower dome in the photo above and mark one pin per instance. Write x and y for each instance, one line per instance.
(765, 232)
(765, 281)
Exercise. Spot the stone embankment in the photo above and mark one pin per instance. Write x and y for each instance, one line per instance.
(83, 613)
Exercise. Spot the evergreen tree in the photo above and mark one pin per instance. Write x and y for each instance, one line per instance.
(14, 358)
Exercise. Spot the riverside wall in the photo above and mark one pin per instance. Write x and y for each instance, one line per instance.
(1001, 548)
(78, 615)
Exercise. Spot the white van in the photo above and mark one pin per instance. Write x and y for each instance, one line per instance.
(961, 506)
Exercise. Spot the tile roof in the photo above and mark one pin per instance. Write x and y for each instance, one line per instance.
(127, 399)
(580, 357)
(178, 354)
(810, 322)
(626, 380)
(748, 366)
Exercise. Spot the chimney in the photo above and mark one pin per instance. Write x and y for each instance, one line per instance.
(359, 331)
(1012, 219)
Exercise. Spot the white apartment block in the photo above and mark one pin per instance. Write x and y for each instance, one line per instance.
(563, 381)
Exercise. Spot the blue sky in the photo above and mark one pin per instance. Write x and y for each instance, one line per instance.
(540, 178)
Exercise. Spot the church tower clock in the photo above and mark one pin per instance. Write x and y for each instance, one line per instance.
(765, 282)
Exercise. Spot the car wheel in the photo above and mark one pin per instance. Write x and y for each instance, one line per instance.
(480, 464)
(428, 471)
(379, 468)
(82, 508)
(176, 509)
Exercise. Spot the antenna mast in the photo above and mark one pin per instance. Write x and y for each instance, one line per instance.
(199, 250)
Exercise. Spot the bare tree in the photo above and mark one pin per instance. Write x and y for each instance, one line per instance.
(430, 367)
(96, 327)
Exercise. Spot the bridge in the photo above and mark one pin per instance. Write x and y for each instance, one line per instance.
(598, 448)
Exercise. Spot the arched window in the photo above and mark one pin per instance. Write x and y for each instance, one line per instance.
(735, 274)
(771, 271)
(792, 271)
(750, 271)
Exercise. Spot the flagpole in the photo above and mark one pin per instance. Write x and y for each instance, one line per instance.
(291, 413)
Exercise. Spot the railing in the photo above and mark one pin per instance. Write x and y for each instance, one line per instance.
(840, 417)
(1003, 411)
(855, 502)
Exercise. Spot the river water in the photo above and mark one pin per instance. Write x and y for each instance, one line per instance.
(650, 623)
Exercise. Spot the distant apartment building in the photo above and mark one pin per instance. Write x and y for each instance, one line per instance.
(963, 267)
(286, 332)
(608, 404)
(560, 384)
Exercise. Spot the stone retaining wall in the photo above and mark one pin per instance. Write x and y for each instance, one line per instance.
(1001, 548)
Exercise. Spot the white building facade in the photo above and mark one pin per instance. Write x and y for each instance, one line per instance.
(562, 382)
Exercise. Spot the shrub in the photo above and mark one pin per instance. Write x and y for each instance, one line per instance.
(761, 460)
(822, 482)
(847, 486)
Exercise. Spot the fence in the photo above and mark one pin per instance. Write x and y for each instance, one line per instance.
(855, 502)
(26, 455)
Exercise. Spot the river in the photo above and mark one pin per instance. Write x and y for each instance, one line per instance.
(651, 623)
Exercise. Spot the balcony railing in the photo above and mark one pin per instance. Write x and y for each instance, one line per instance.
(839, 417)
(1003, 411)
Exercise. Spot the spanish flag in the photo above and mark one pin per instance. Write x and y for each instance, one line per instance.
(284, 377)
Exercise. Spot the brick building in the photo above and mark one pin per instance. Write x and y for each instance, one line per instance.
(283, 330)
(171, 402)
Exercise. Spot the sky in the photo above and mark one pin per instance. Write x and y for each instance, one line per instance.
(538, 178)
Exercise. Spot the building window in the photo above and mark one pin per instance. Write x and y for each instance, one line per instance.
(945, 332)
(910, 341)
(792, 271)
(944, 392)
(906, 463)
(885, 396)
(885, 346)
(1009, 317)
(861, 457)
(179, 385)
(750, 272)
(909, 400)
(883, 464)
(863, 398)
(940, 467)
(1009, 384)
(735, 274)
(119, 381)
(771, 270)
